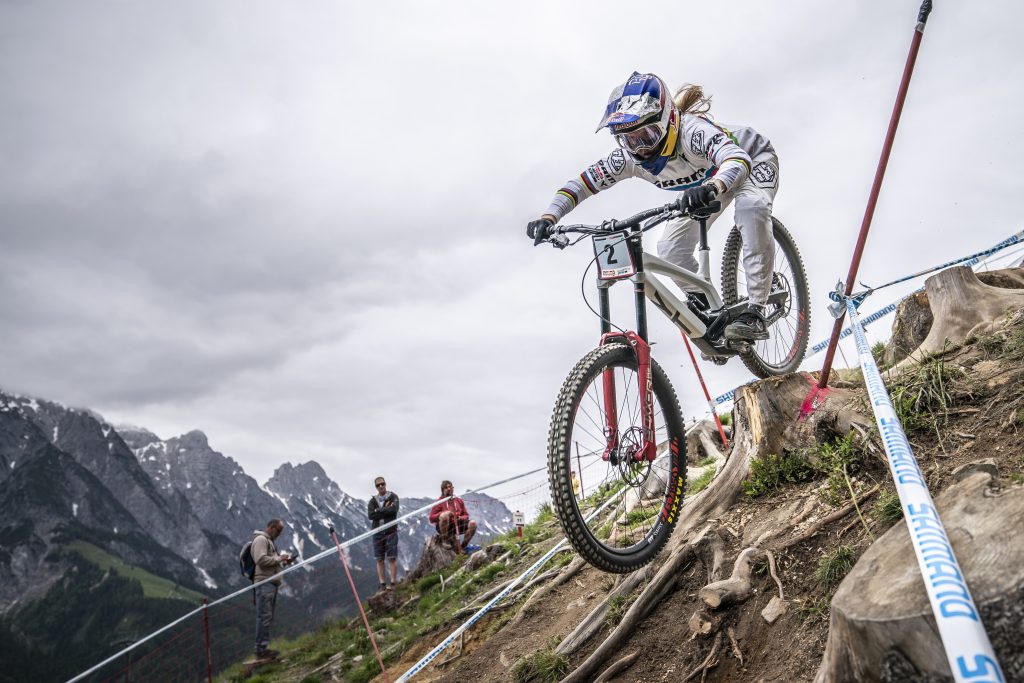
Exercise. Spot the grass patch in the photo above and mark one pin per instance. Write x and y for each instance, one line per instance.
(489, 572)
(769, 474)
(923, 395)
(152, 586)
(544, 665)
(701, 482)
(834, 460)
(428, 582)
(617, 606)
(813, 609)
(835, 565)
(545, 513)
(878, 353)
(638, 516)
(887, 508)
(704, 462)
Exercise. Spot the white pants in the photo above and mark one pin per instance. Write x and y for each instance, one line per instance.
(754, 198)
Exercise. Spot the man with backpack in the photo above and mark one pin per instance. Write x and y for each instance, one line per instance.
(383, 508)
(265, 563)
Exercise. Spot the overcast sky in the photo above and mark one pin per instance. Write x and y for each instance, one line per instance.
(299, 227)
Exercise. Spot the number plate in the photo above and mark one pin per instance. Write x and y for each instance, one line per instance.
(613, 259)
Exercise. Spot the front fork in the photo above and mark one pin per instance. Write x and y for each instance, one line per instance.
(648, 449)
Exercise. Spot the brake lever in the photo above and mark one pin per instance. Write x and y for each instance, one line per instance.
(559, 241)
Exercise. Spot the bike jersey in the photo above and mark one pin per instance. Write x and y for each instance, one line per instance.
(703, 149)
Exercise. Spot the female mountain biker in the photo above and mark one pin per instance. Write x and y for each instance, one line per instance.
(674, 144)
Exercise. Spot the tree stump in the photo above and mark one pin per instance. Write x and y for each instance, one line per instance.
(962, 305)
(437, 555)
(882, 628)
(702, 441)
(912, 321)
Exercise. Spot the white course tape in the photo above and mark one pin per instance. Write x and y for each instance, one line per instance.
(967, 646)
(429, 657)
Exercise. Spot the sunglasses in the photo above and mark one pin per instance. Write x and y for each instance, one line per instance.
(380, 483)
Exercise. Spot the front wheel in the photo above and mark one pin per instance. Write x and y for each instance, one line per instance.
(641, 499)
(787, 307)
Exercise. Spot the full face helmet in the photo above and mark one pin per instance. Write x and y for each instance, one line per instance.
(639, 114)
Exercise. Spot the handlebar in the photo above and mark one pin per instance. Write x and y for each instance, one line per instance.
(661, 213)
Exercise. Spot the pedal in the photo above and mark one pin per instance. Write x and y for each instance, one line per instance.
(740, 345)
(717, 360)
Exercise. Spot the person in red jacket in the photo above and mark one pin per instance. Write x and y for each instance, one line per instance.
(451, 520)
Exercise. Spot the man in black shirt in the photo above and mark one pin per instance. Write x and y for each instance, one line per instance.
(383, 508)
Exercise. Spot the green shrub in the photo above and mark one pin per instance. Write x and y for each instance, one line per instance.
(770, 473)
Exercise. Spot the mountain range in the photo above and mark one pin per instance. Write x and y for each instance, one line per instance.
(79, 496)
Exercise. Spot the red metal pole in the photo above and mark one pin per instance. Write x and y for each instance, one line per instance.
(894, 121)
(711, 404)
(206, 629)
(359, 603)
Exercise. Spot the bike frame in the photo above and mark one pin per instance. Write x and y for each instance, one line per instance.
(646, 287)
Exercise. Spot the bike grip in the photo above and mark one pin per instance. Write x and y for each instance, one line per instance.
(926, 9)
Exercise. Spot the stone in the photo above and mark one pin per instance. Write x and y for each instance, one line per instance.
(775, 609)
(988, 466)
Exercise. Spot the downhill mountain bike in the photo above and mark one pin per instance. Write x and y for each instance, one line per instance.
(616, 430)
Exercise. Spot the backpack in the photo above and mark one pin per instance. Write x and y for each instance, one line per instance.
(246, 563)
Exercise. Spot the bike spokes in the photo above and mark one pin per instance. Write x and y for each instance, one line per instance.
(619, 465)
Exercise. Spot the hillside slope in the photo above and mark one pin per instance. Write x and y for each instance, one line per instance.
(960, 406)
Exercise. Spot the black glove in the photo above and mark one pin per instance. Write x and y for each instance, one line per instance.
(539, 230)
(697, 198)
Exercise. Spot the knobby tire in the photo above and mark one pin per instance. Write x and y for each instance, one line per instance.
(571, 509)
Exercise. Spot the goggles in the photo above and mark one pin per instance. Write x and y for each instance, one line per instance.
(643, 141)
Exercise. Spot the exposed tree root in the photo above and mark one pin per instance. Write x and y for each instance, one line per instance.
(617, 668)
(710, 662)
(737, 587)
(736, 652)
(595, 621)
(662, 583)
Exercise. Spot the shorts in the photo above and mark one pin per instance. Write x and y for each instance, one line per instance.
(460, 524)
(385, 546)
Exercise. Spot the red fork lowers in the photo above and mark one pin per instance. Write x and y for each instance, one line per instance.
(649, 450)
(611, 417)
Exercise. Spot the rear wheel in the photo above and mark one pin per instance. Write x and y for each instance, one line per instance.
(786, 345)
(616, 512)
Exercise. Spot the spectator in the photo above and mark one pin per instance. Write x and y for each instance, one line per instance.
(268, 563)
(575, 484)
(383, 508)
(451, 520)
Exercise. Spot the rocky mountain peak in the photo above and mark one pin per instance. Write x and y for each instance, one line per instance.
(194, 439)
(298, 480)
(136, 437)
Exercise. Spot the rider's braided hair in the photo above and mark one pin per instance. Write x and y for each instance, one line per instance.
(690, 99)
